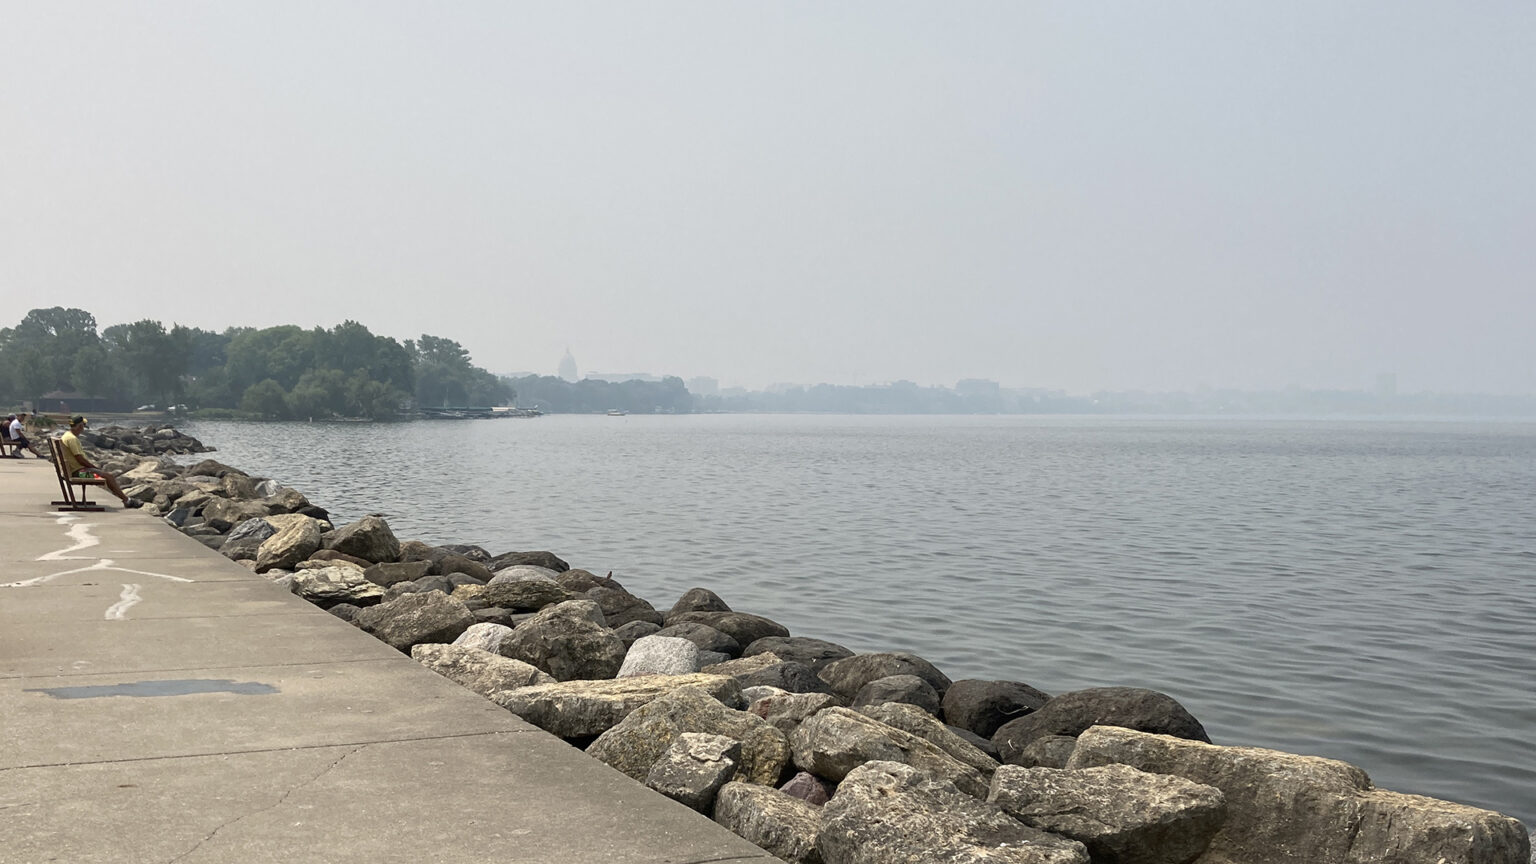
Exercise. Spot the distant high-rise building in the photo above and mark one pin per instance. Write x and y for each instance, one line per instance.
(568, 367)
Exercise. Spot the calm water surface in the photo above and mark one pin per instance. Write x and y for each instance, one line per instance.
(1361, 590)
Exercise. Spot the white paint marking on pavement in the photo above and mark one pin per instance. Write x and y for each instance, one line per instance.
(102, 564)
(83, 538)
(130, 597)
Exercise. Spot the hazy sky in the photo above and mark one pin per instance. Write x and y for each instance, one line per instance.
(1072, 195)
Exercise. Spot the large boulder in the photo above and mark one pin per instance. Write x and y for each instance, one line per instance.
(212, 468)
(782, 824)
(520, 572)
(742, 627)
(395, 572)
(704, 636)
(635, 744)
(916, 721)
(332, 585)
(1288, 809)
(569, 641)
(580, 709)
(478, 670)
(983, 706)
(224, 513)
(890, 813)
(786, 711)
(1071, 713)
(621, 607)
(486, 636)
(660, 655)
(834, 741)
(815, 653)
(1123, 816)
(694, 768)
(547, 560)
(286, 548)
(788, 676)
(529, 595)
(697, 600)
(848, 675)
(416, 618)
(368, 538)
(905, 689)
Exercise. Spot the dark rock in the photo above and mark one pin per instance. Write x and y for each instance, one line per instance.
(807, 788)
(470, 551)
(1047, 751)
(369, 538)
(907, 689)
(890, 813)
(850, 674)
(984, 706)
(788, 676)
(1071, 713)
(179, 516)
(211, 468)
(815, 653)
(568, 640)
(582, 581)
(333, 555)
(455, 563)
(346, 612)
(635, 630)
(704, 636)
(395, 572)
(742, 627)
(547, 560)
(432, 582)
(416, 618)
(697, 600)
(985, 745)
(621, 607)
(257, 527)
(240, 550)
(314, 512)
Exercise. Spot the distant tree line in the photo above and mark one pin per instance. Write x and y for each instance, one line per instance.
(273, 373)
(558, 396)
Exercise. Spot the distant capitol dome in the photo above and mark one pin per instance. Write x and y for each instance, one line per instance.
(568, 366)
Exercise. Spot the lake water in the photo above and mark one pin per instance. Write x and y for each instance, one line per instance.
(1361, 590)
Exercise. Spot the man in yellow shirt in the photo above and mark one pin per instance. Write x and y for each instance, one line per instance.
(76, 465)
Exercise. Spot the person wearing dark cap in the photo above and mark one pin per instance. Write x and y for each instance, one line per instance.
(76, 465)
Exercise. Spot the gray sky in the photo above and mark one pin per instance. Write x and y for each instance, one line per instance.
(1071, 195)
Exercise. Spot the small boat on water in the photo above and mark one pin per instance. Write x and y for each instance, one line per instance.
(615, 412)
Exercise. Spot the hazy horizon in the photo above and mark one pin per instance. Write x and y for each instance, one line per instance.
(1157, 198)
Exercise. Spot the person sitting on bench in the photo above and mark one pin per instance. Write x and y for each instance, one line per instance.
(18, 435)
(76, 465)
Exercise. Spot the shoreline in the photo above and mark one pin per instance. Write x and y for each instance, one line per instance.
(219, 505)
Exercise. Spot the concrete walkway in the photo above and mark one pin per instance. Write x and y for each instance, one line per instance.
(163, 704)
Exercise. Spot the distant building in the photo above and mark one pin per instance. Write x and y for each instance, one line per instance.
(568, 367)
(621, 377)
(704, 386)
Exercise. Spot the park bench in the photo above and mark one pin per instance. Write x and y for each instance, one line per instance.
(67, 484)
(6, 441)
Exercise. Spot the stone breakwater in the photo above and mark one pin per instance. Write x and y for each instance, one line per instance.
(801, 746)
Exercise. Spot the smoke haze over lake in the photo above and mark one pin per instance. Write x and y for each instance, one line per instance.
(1047, 195)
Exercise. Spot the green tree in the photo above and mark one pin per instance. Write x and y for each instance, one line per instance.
(266, 400)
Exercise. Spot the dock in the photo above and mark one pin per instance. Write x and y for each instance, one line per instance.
(162, 703)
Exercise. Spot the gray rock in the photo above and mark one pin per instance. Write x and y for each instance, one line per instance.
(848, 675)
(476, 669)
(906, 689)
(240, 550)
(459, 565)
(334, 585)
(1071, 713)
(815, 653)
(416, 618)
(784, 825)
(621, 607)
(786, 712)
(634, 631)
(346, 612)
(394, 572)
(368, 538)
(744, 628)
(547, 560)
(834, 741)
(284, 500)
(890, 813)
(635, 744)
(694, 768)
(788, 676)
(1050, 751)
(520, 572)
(579, 709)
(568, 640)
(268, 488)
(704, 636)
(212, 468)
(710, 658)
(485, 636)
(529, 595)
(1288, 809)
(697, 600)
(914, 720)
(582, 581)
(743, 665)
(224, 514)
(474, 553)
(287, 547)
(1123, 816)
(660, 655)
(983, 706)
(760, 691)
(258, 528)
